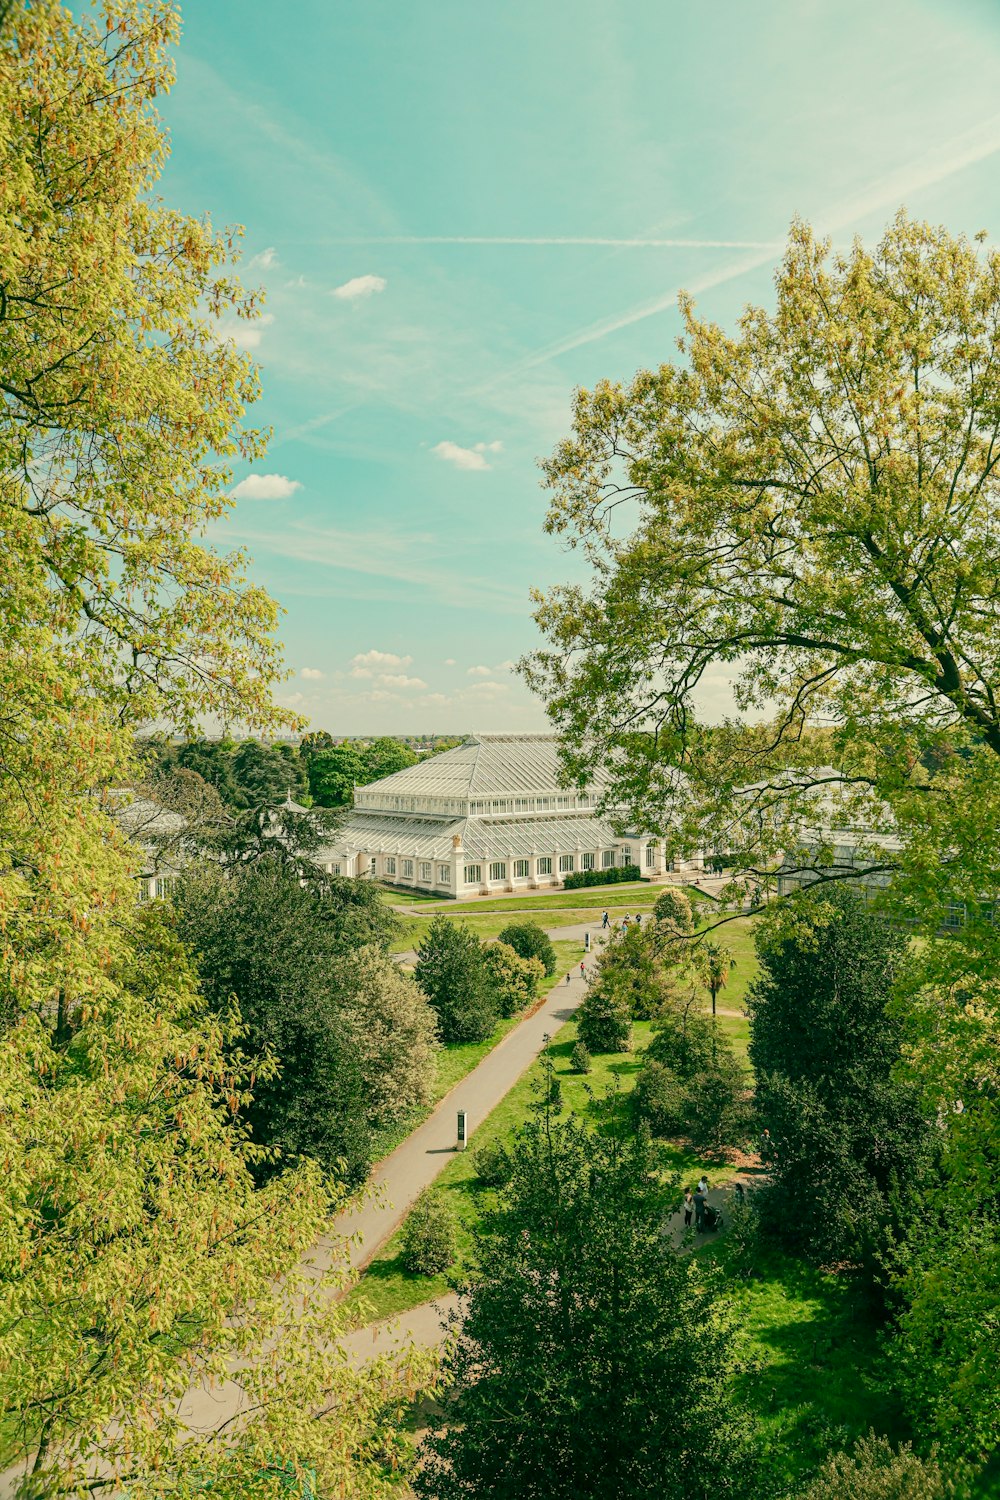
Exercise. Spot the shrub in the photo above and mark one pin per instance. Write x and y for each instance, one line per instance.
(514, 978)
(580, 1058)
(717, 1114)
(493, 1165)
(528, 940)
(429, 1235)
(684, 1043)
(451, 970)
(876, 1471)
(605, 1024)
(660, 1098)
(673, 909)
(614, 876)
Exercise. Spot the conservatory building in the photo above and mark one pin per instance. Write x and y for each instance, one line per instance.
(485, 818)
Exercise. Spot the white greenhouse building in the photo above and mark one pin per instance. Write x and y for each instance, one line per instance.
(486, 817)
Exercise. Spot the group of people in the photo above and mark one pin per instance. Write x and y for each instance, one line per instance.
(626, 921)
(696, 1206)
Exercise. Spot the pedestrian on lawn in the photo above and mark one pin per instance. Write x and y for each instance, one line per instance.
(740, 1191)
(766, 1146)
(688, 1207)
(703, 1183)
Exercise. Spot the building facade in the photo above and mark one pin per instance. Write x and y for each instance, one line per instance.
(487, 817)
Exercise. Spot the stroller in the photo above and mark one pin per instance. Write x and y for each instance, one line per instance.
(712, 1220)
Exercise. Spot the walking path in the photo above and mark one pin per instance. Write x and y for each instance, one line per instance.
(426, 1326)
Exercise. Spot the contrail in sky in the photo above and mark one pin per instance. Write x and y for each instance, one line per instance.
(513, 239)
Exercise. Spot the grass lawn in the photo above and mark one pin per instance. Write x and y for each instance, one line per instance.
(629, 893)
(814, 1361)
(485, 925)
(387, 1288)
(393, 897)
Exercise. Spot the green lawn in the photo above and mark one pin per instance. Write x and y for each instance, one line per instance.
(387, 1289)
(629, 893)
(485, 925)
(814, 1360)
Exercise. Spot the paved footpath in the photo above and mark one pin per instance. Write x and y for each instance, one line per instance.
(426, 1325)
(424, 1155)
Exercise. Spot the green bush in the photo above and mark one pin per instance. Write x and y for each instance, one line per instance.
(580, 1058)
(613, 876)
(429, 1235)
(660, 1098)
(452, 972)
(876, 1471)
(528, 940)
(717, 1112)
(684, 1043)
(493, 1164)
(514, 978)
(605, 1025)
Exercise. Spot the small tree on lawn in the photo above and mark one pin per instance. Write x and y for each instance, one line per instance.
(877, 1471)
(716, 1114)
(514, 978)
(604, 1024)
(713, 962)
(531, 941)
(429, 1235)
(451, 970)
(593, 1360)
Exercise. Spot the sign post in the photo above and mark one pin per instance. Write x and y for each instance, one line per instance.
(463, 1129)
(586, 941)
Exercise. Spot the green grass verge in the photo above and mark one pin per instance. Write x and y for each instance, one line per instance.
(815, 1359)
(387, 1289)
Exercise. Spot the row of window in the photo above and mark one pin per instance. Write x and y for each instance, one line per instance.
(161, 887)
(567, 864)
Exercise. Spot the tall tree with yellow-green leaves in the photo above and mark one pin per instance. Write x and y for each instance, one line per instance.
(810, 504)
(137, 1260)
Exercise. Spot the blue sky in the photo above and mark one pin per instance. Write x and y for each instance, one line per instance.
(462, 212)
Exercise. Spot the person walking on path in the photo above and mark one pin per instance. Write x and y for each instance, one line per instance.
(638, 919)
(688, 1207)
(604, 922)
(700, 1200)
(569, 976)
(583, 969)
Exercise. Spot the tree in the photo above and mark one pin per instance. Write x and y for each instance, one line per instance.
(395, 1031)
(672, 911)
(604, 1023)
(384, 756)
(716, 1116)
(714, 961)
(515, 979)
(333, 774)
(451, 970)
(850, 1141)
(137, 1255)
(429, 1235)
(792, 528)
(877, 1471)
(267, 775)
(592, 1360)
(530, 941)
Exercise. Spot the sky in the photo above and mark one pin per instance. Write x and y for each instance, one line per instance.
(459, 214)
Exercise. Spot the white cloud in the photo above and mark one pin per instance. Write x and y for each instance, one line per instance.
(436, 700)
(265, 487)
(243, 333)
(378, 696)
(265, 260)
(400, 680)
(367, 663)
(311, 674)
(465, 458)
(292, 700)
(359, 286)
(450, 662)
(505, 666)
(487, 689)
(479, 672)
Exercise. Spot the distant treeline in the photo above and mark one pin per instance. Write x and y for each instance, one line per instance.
(317, 772)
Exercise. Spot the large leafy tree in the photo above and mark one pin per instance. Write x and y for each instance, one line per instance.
(136, 1253)
(453, 974)
(334, 772)
(851, 1145)
(593, 1360)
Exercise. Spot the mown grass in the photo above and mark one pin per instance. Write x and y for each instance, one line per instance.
(387, 1288)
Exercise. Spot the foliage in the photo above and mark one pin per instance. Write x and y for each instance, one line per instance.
(874, 1470)
(137, 1256)
(385, 756)
(514, 979)
(683, 1040)
(577, 880)
(713, 961)
(850, 1142)
(529, 940)
(660, 1097)
(604, 1023)
(593, 1360)
(259, 936)
(395, 1033)
(451, 970)
(717, 1113)
(580, 1057)
(493, 1164)
(429, 1235)
(334, 773)
(673, 910)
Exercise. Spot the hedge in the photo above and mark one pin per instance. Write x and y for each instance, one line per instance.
(614, 876)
